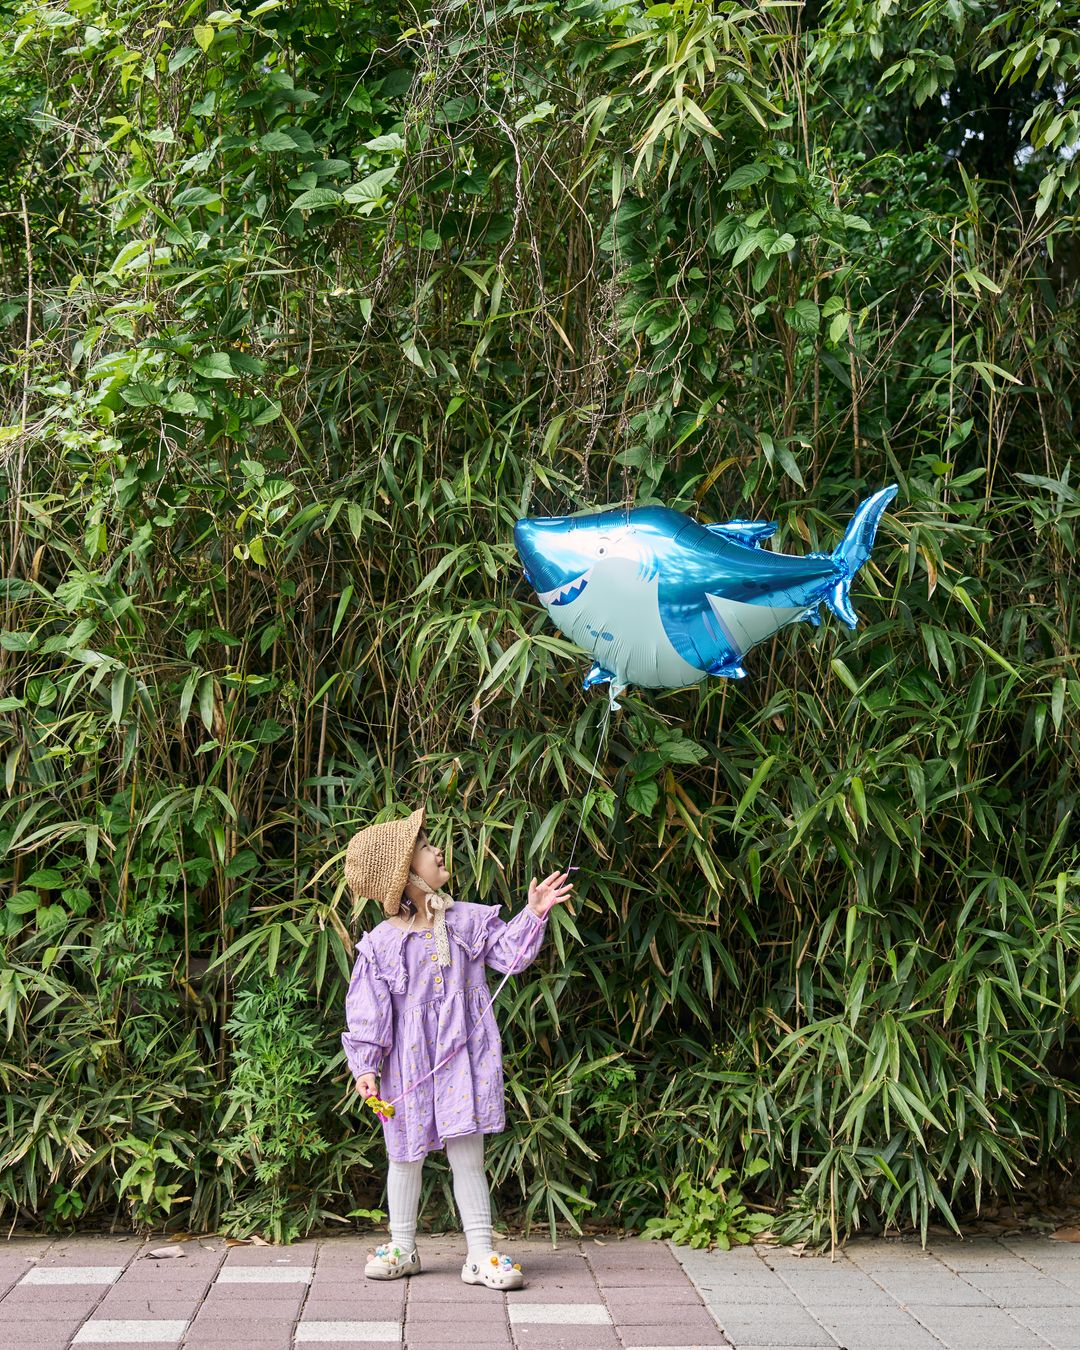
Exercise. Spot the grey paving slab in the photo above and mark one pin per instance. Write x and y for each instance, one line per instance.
(974, 1328)
(974, 1254)
(1059, 1327)
(1030, 1289)
(942, 1287)
(879, 1328)
(1045, 1252)
(884, 1252)
(1025, 1242)
(761, 1325)
(820, 1281)
(776, 1294)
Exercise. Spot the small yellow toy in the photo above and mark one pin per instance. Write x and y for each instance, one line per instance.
(384, 1110)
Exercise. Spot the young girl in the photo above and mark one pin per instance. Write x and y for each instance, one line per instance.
(418, 989)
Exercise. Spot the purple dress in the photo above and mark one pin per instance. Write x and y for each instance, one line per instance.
(405, 1012)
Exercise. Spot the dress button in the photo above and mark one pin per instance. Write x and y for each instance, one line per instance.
(438, 979)
(434, 957)
(427, 935)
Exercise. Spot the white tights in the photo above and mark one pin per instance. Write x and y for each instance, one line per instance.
(466, 1154)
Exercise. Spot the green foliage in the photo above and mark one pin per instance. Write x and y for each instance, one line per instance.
(270, 1117)
(710, 1215)
(300, 307)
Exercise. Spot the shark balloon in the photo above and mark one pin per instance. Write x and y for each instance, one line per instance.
(660, 601)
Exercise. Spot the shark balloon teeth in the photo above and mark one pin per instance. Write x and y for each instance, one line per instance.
(661, 601)
(565, 595)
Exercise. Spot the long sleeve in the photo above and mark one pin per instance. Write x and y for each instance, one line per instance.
(512, 945)
(368, 1015)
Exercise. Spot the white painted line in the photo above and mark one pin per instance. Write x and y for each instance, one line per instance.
(72, 1275)
(348, 1331)
(107, 1331)
(263, 1275)
(570, 1314)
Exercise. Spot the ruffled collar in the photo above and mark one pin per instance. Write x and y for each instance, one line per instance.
(388, 943)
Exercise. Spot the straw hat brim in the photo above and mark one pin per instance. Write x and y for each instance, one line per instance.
(378, 857)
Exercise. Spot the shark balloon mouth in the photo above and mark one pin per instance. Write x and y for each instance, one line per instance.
(567, 593)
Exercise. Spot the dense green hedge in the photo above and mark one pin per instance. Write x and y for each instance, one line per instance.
(304, 306)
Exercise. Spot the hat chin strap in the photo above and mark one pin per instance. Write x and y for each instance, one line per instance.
(438, 902)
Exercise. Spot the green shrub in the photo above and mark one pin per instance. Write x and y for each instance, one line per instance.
(301, 307)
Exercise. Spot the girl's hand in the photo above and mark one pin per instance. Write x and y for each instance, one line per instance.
(365, 1085)
(553, 890)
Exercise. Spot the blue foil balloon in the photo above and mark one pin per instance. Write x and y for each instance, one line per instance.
(660, 601)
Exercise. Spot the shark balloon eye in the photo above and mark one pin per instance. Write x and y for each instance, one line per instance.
(703, 597)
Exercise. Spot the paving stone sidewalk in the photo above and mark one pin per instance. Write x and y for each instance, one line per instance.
(978, 1294)
(589, 1295)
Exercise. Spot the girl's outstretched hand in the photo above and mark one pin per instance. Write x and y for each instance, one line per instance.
(553, 890)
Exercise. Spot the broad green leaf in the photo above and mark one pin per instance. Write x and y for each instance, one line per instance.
(745, 175)
(804, 316)
(316, 198)
(213, 366)
(370, 190)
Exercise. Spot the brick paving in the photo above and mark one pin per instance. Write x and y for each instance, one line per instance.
(610, 1294)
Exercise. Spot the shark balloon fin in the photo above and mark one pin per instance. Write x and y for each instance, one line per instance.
(730, 670)
(751, 533)
(597, 674)
(854, 549)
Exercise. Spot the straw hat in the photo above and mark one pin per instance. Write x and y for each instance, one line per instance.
(378, 858)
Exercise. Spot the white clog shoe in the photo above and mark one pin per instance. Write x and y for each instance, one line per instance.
(496, 1270)
(390, 1262)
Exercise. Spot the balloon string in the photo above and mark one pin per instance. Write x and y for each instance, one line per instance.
(592, 774)
(384, 1109)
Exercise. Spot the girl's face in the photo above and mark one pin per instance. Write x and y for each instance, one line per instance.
(428, 862)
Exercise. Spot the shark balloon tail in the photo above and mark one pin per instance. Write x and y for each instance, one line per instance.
(854, 549)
